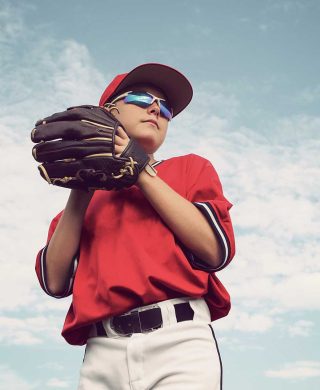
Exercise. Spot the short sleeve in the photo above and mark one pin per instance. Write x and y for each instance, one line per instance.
(206, 193)
(41, 265)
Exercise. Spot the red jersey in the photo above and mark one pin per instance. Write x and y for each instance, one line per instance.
(128, 257)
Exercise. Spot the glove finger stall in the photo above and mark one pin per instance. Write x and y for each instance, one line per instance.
(59, 150)
(70, 130)
(89, 113)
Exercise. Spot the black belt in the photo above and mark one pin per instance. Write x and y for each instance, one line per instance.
(144, 320)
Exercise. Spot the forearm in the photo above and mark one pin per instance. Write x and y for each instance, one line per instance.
(65, 240)
(183, 218)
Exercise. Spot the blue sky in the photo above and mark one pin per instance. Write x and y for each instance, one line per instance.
(255, 115)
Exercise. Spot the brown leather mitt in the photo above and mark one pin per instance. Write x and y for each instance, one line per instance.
(76, 149)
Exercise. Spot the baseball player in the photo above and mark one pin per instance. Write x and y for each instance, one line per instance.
(141, 261)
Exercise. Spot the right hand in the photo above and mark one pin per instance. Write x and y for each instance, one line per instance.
(121, 141)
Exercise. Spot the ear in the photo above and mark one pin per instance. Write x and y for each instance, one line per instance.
(111, 106)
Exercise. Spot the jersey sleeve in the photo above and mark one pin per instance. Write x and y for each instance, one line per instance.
(41, 266)
(205, 192)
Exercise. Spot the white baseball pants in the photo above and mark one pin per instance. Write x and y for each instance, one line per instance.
(178, 356)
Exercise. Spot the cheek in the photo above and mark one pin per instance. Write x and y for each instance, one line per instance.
(128, 126)
(128, 117)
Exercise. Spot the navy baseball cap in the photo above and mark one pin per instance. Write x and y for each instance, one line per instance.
(172, 83)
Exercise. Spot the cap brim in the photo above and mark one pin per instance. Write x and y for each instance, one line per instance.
(173, 84)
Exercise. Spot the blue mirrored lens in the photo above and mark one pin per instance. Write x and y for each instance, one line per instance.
(166, 113)
(143, 99)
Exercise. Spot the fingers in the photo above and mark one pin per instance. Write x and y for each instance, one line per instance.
(122, 134)
(119, 149)
(121, 143)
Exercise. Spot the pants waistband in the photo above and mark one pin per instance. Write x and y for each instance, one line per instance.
(148, 318)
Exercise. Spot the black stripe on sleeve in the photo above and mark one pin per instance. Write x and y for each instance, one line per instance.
(69, 284)
(211, 216)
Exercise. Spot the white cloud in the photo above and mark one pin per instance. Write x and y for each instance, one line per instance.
(299, 291)
(213, 98)
(51, 366)
(301, 132)
(58, 383)
(277, 293)
(29, 330)
(45, 303)
(245, 322)
(301, 328)
(27, 203)
(9, 379)
(236, 343)
(50, 78)
(296, 370)
(276, 214)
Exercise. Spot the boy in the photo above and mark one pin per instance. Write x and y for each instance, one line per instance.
(140, 263)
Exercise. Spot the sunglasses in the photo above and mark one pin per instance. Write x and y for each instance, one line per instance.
(144, 100)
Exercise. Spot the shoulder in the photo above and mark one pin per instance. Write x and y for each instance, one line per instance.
(190, 170)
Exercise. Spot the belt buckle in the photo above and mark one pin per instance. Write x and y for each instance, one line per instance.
(117, 328)
(135, 323)
(149, 307)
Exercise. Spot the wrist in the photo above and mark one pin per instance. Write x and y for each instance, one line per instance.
(146, 175)
(80, 199)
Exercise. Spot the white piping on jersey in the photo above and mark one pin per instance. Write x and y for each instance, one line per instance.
(222, 234)
(157, 163)
(75, 266)
(42, 271)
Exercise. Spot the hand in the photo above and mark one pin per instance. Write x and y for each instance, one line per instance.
(121, 141)
(69, 159)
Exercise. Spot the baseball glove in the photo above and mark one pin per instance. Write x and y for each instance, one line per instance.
(76, 149)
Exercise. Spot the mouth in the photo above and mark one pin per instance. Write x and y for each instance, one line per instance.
(154, 122)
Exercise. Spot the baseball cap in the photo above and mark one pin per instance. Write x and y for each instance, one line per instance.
(173, 84)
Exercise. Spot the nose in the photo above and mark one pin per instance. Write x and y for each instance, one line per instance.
(154, 109)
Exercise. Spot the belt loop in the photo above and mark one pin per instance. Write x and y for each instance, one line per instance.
(201, 310)
(167, 313)
(184, 311)
(100, 329)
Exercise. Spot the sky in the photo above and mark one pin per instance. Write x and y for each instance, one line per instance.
(254, 67)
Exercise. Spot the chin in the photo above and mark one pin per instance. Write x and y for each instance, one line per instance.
(148, 141)
(148, 147)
